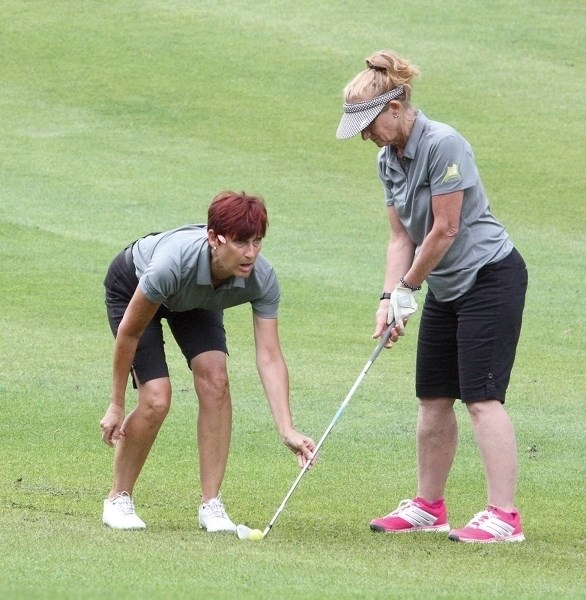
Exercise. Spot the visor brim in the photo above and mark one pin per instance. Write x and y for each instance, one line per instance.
(353, 123)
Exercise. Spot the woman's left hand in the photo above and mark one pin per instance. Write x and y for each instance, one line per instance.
(301, 445)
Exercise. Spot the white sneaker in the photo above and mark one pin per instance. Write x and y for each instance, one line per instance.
(213, 517)
(120, 514)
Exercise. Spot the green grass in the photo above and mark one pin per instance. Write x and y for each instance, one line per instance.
(118, 118)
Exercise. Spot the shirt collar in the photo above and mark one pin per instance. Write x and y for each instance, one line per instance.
(204, 271)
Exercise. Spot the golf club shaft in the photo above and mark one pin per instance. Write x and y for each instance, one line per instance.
(386, 335)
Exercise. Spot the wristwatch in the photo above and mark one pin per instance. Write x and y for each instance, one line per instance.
(386, 296)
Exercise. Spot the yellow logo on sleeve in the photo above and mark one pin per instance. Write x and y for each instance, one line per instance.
(452, 173)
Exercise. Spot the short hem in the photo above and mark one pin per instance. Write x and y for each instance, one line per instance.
(435, 394)
(483, 399)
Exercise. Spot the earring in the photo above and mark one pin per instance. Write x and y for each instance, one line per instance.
(396, 116)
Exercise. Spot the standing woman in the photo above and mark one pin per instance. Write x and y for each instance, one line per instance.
(443, 233)
(188, 276)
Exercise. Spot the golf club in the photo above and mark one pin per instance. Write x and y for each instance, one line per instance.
(245, 532)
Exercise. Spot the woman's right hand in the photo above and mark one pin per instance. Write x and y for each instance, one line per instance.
(381, 324)
(111, 425)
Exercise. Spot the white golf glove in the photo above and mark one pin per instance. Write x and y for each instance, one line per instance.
(401, 307)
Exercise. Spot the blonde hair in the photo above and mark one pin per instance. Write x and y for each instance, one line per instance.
(385, 71)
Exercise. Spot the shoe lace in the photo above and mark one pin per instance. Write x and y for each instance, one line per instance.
(479, 518)
(404, 505)
(124, 504)
(215, 508)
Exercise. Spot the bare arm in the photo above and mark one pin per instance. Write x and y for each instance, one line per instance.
(401, 259)
(447, 209)
(274, 376)
(273, 372)
(400, 253)
(139, 313)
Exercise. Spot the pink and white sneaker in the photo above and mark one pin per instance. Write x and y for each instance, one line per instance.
(490, 526)
(414, 515)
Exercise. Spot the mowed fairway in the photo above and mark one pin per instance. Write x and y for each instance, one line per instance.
(121, 118)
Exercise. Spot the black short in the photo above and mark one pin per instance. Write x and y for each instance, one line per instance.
(466, 348)
(195, 331)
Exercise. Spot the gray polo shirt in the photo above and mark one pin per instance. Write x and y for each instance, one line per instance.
(174, 269)
(438, 160)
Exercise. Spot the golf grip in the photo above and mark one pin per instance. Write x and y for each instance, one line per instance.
(386, 335)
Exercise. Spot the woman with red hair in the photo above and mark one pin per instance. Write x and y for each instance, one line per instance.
(188, 276)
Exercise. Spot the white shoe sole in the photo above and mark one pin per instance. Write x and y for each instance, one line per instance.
(134, 526)
(221, 529)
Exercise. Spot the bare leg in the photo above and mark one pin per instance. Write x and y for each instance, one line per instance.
(141, 427)
(495, 437)
(437, 439)
(214, 423)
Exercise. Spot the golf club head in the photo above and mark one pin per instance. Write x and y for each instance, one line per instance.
(243, 532)
(246, 533)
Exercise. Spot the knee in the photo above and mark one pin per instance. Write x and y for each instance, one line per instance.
(155, 400)
(432, 409)
(211, 383)
(484, 409)
(435, 416)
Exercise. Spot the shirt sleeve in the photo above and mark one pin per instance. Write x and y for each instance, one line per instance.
(385, 176)
(160, 279)
(267, 305)
(452, 167)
